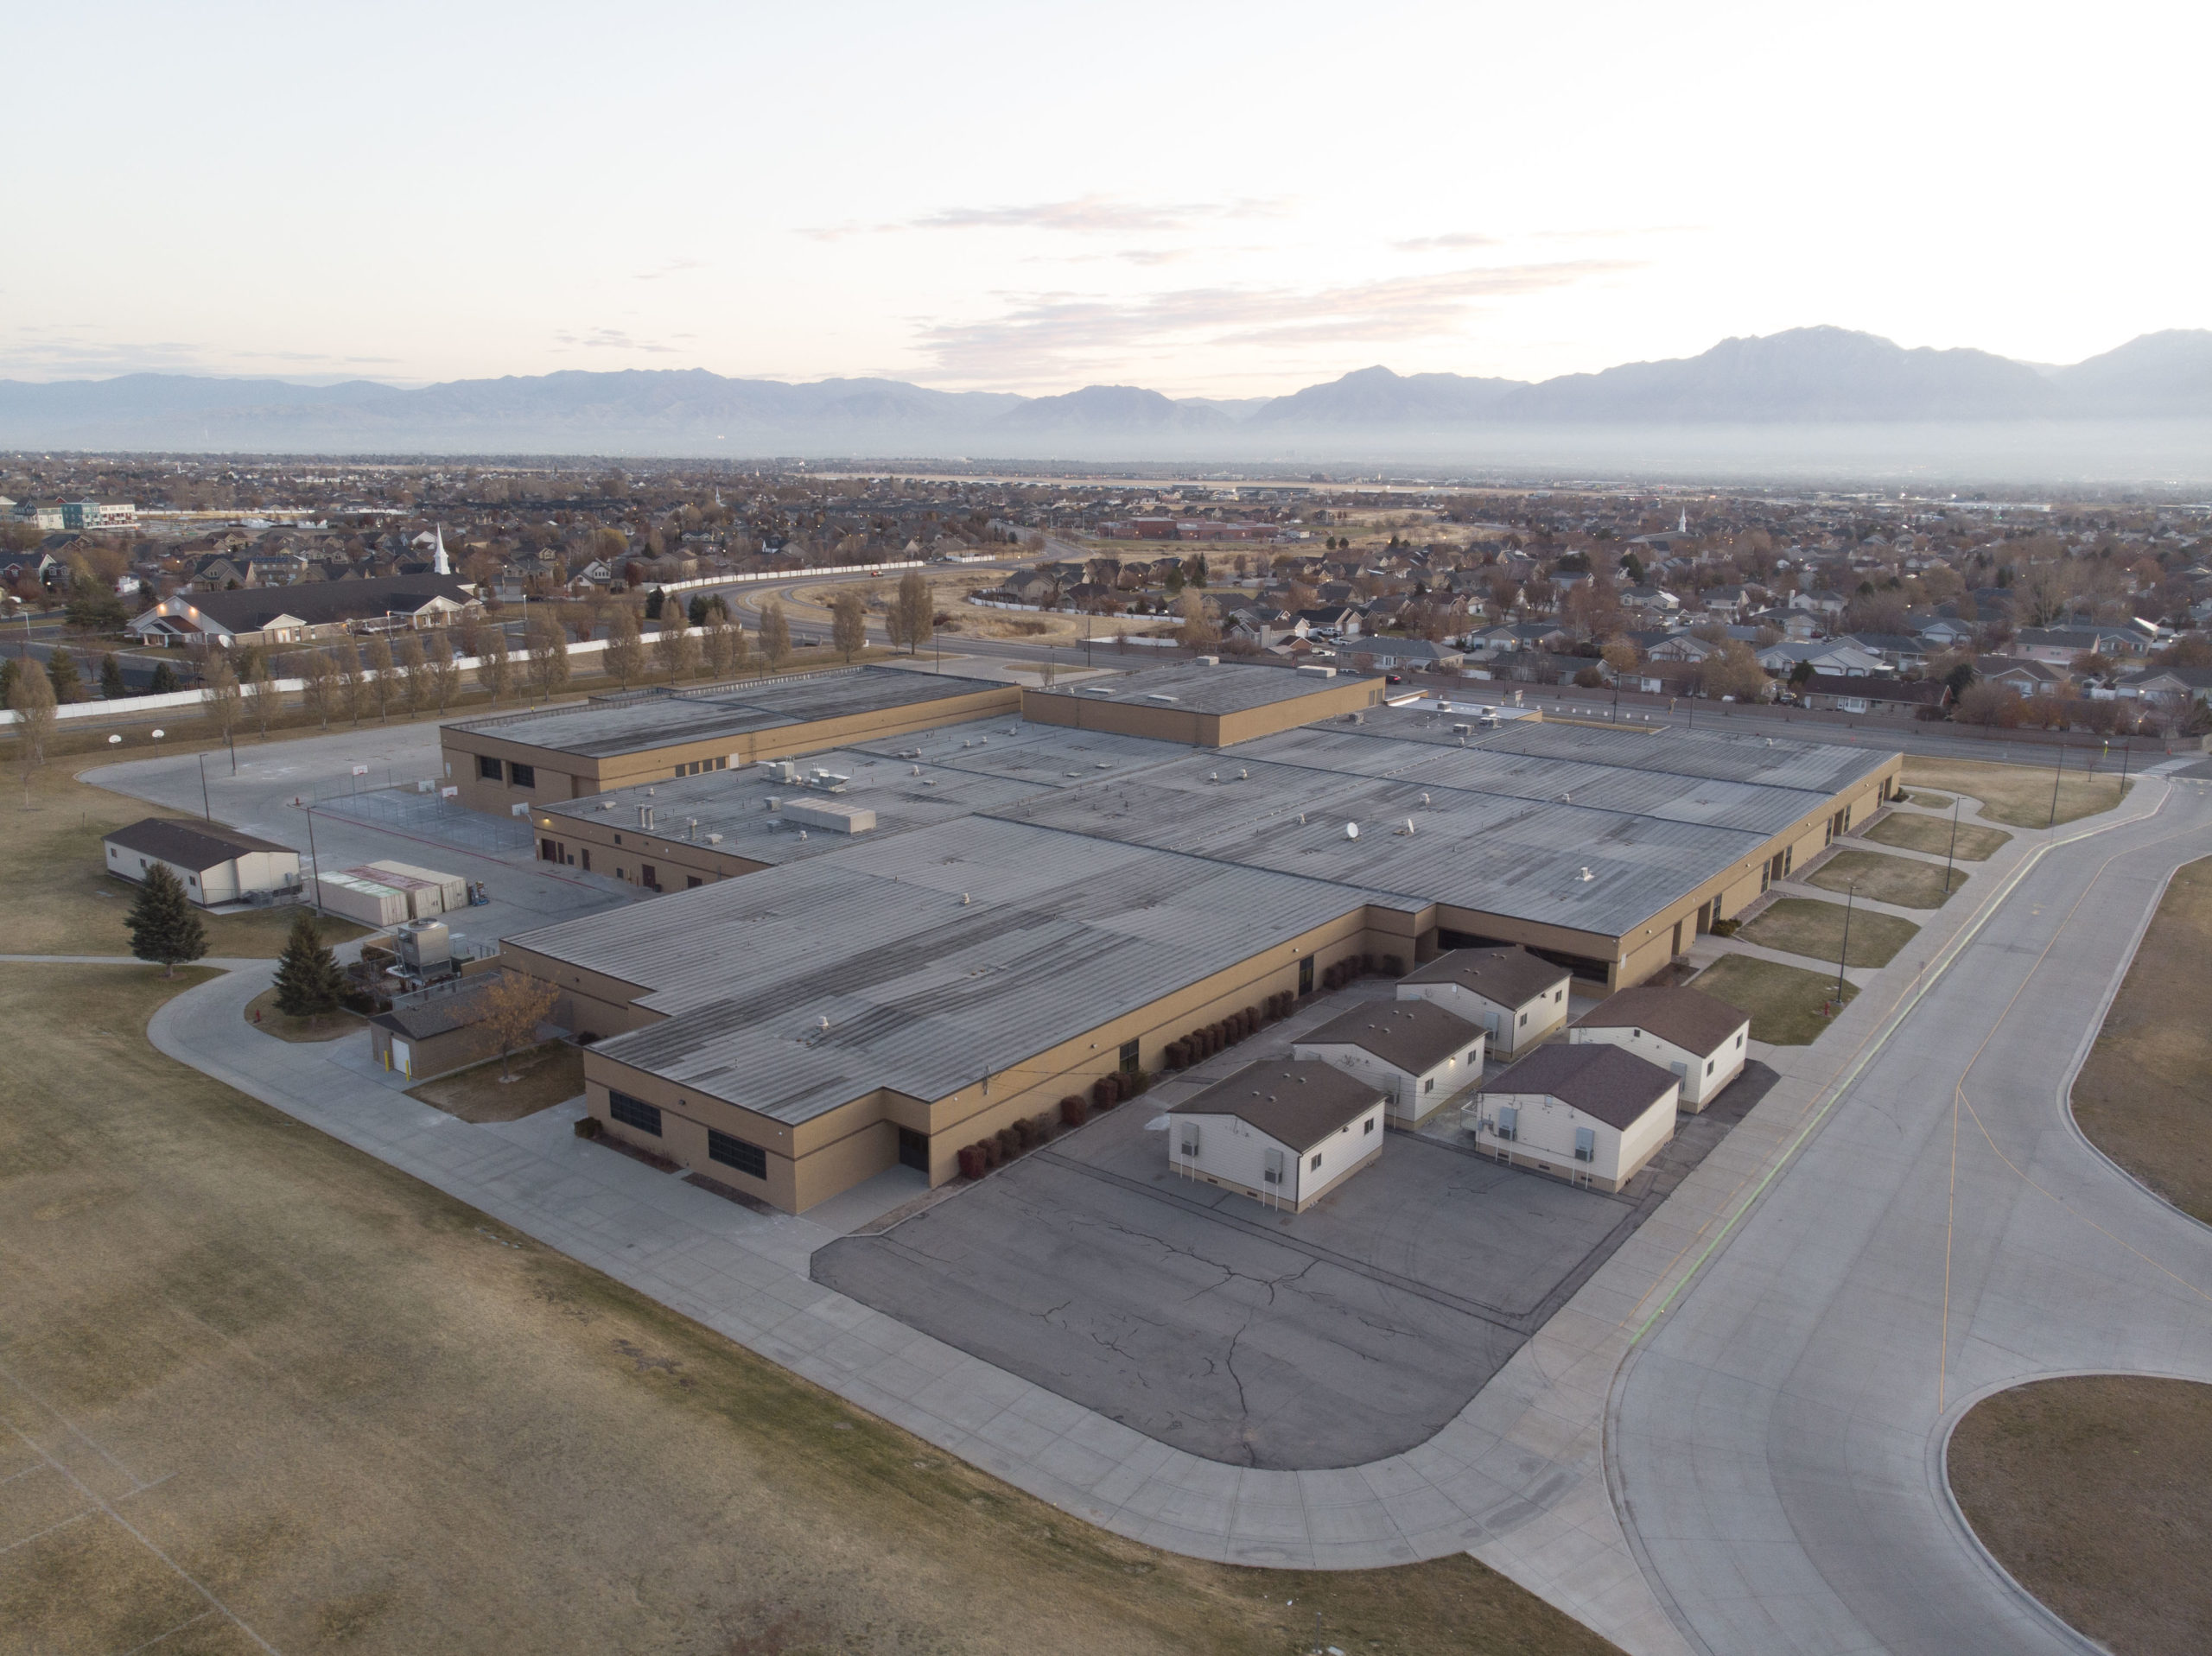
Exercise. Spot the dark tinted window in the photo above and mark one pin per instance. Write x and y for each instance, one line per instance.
(523, 776)
(487, 767)
(736, 1153)
(633, 1113)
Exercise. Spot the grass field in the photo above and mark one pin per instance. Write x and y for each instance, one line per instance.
(2020, 795)
(1901, 881)
(62, 900)
(1805, 925)
(1933, 835)
(543, 1076)
(1784, 1002)
(2144, 1095)
(284, 1027)
(1931, 802)
(2096, 1493)
(363, 1415)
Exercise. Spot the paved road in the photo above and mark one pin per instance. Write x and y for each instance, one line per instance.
(1775, 1442)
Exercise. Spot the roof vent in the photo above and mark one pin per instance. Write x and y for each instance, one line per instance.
(1586, 873)
(1351, 830)
(1243, 774)
(965, 900)
(714, 838)
(1213, 776)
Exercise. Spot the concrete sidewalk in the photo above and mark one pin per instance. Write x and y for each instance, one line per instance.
(1518, 1478)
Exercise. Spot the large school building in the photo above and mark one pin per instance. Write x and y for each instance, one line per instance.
(911, 940)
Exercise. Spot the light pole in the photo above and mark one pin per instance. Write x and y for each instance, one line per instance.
(206, 810)
(1954, 846)
(1851, 896)
(315, 863)
(2058, 771)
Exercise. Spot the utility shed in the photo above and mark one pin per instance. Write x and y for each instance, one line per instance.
(1699, 1038)
(1421, 1054)
(1593, 1114)
(1518, 998)
(1285, 1134)
(214, 862)
(437, 1035)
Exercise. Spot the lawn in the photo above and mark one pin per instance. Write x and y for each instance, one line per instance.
(364, 1414)
(1933, 835)
(62, 900)
(2096, 1493)
(261, 1012)
(2144, 1094)
(1931, 802)
(1808, 926)
(543, 1076)
(1908, 883)
(1784, 1002)
(2018, 794)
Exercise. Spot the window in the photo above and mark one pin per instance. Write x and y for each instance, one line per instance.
(1586, 1144)
(1524, 1020)
(523, 776)
(1429, 1084)
(1315, 1165)
(649, 876)
(1305, 975)
(1475, 1057)
(736, 1153)
(689, 880)
(1367, 1125)
(1708, 1066)
(1508, 1121)
(633, 1112)
(1129, 1057)
(585, 853)
(1739, 1038)
(488, 768)
(1271, 1167)
(1187, 1141)
(1558, 995)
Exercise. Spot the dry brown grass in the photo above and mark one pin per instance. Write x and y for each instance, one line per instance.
(1934, 835)
(262, 1015)
(380, 1419)
(2144, 1094)
(1905, 881)
(1784, 1002)
(1811, 927)
(543, 1076)
(2020, 795)
(2096, 1493)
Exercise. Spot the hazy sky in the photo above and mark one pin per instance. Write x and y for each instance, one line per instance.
(1212, 200)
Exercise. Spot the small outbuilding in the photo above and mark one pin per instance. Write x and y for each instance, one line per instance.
(1518, 999)
(1285, 1133)
(215, 862)
(1421, 1054)
(1593, 1115)
(436, 1035)
(1698, 1038)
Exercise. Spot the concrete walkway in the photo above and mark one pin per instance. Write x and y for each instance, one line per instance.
(1519, 1478)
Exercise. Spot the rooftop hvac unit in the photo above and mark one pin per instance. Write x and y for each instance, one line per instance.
(714, 838)
(424, 946)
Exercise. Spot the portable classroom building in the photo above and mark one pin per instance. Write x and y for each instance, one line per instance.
(1518, 999)
(213, 863)
(1592, 1114)
(1696, 1036)
(1421, 1055)
(1283, 1133)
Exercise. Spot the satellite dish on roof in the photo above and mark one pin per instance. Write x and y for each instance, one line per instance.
(1351, 830)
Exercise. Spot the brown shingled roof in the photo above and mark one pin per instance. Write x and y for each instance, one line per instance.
(1298, 1104)
(1414, 1034)
(1596, 1078)
(1697, 1023)
(189, 845)
(1510, 976)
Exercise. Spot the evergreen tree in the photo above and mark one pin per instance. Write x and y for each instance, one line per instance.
(61, 669)
(164, 679)
(113, 689)
(309, 981)
(162, 923)
(654, 599)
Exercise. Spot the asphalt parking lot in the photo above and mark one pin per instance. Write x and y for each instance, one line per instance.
(1350, 1332)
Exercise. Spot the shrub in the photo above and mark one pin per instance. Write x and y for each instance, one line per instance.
(1073, 1111)
(1366, 965)
(1139, 1083)
(989, 1151)
(1172, 1055)
(1102, 1094)
(1392, 966)
(971, 1163)
(1009, 1146)
(1023, 1137)
(1040, 1127)
(1251, 1021)
(1726, 928)
(590, 1126)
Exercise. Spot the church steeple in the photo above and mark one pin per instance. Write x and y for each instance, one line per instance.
(439, 564)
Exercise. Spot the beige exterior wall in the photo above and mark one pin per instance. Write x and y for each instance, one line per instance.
(1545, 1013)
(562, 775)
(1232, 1155)
(1163, 721)
(1544, 1139)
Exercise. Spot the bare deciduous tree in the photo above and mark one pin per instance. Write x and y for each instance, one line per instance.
(510, 1012)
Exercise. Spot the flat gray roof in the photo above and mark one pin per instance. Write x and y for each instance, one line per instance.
(1189, 686)
(905, 796)
(924, 993)
(633, 721)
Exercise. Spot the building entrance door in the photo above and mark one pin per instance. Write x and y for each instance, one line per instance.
(913, 1150)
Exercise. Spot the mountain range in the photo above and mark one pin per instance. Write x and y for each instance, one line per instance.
(1811, 378)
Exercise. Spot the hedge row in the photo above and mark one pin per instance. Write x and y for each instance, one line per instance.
(979, 1159)
(1202, 1043)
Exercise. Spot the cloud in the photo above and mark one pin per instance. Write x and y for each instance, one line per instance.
(605, 338)
(1053, 336)
(1084, 215)
(672, 267)
(1458, 239)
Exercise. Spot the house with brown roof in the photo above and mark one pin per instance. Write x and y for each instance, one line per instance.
(1285, 1133)
(1421, 1054)
(1696, 1037)
(1592, 1114)
(1516, 997)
